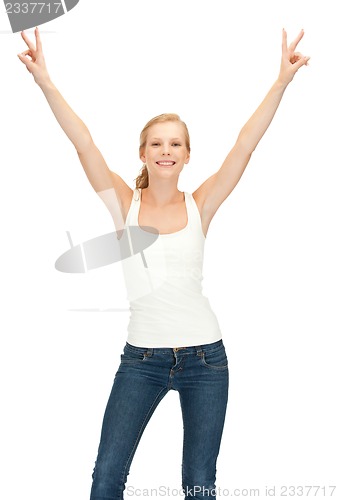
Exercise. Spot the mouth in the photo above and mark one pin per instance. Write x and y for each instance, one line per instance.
(166, 164)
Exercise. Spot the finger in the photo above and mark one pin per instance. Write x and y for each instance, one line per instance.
(28, 42)
(295, 42)
(295, 57)
(284, 42)
(38, 40)
(298, 56)
(26, 61)
(301, 62)
(28, 53)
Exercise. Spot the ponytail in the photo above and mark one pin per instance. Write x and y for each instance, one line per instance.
(142, 181)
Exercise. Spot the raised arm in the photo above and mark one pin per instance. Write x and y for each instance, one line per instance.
(102, 179)
(216, 188)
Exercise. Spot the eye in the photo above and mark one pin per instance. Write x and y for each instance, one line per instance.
(155, 144)
(176, 144)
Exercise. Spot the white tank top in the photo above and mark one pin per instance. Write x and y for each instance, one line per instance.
(167, 306)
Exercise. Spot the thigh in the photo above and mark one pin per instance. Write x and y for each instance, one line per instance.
(204, 402)
(134, 397)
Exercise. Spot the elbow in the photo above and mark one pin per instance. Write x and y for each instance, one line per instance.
(244, 145)
(84, 144)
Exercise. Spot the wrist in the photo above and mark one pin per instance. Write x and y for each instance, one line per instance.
(280, 85)
(44, 83)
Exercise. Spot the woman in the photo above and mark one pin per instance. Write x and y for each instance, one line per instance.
(174, 340)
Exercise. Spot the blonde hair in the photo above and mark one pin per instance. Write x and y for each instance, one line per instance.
(142, 181)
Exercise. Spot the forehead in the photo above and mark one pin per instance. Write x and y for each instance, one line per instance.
(167, 130)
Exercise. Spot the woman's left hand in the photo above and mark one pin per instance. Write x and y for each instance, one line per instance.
(291, 60)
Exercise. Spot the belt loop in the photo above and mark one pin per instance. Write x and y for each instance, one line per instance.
(199, 350)
(149, 352)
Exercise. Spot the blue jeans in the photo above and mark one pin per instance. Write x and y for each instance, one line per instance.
(145, 375)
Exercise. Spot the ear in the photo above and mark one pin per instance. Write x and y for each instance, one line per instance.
(142, 157)
(187, 159)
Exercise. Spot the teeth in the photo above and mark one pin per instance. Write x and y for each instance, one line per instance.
(165, 162)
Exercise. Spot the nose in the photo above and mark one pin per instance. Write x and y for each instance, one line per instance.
(166, 149)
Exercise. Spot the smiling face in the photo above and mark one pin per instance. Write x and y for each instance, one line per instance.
(165, 152)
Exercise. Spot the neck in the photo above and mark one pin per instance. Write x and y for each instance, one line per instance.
(161, 193)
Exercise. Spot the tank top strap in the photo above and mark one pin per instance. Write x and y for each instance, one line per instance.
(132, 216)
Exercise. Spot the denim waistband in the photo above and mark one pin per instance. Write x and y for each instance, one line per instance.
(170, 350)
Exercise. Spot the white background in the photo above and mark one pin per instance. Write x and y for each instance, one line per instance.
(270, 265)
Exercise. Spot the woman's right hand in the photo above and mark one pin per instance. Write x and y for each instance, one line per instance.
(33, 58)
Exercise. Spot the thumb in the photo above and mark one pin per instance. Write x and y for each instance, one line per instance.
(29, 64)
(301, 62)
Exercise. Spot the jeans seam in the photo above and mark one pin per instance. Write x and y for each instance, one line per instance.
(127, 463)
(213, 367)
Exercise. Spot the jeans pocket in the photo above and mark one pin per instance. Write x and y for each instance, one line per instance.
(215, 359)
(132, 354)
